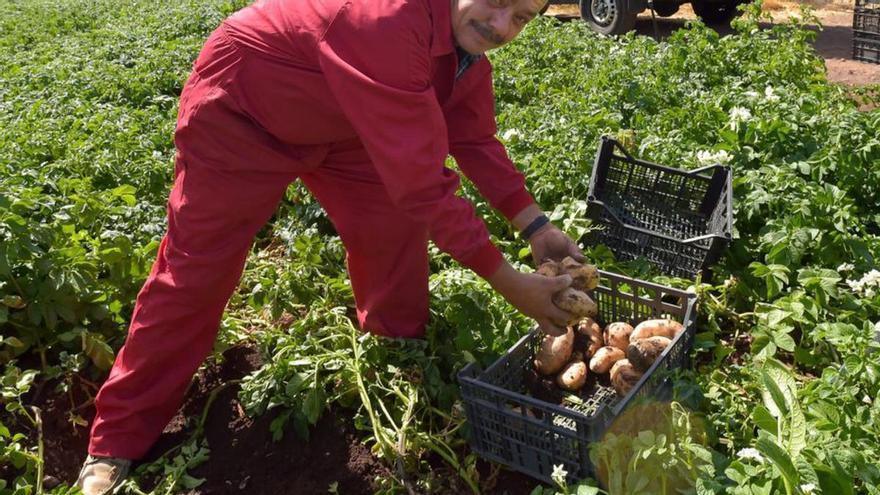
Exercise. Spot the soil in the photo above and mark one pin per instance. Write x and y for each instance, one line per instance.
(243, 456)
(834, 42)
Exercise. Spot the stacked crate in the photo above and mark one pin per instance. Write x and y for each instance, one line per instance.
(866, 31)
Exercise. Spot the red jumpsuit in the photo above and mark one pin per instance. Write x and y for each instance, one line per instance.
(359, 100)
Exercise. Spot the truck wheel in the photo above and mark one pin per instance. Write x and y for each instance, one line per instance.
(716, 12)
(608, 16)
(666, 9)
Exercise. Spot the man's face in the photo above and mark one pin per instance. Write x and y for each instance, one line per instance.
(480, 25)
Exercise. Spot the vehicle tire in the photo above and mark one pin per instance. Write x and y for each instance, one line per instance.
(608, 16)
(666, 9)
(716, 12)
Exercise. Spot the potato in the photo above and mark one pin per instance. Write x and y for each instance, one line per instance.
(624, 376)
(642, 353)
(664, 327)
(575, 302)
(548, 268)
(589, 336)
(554, 352)
(584, 277)
(573, 376)
(604, 359)
(617, 334)
(589, 327)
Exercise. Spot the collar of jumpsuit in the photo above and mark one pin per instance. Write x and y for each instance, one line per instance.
(442, 40)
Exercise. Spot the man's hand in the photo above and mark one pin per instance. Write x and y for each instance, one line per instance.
(550, 242)
(532, 295)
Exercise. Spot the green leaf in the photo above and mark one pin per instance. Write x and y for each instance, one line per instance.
(764, 419)
(773, 397)
(65, 312)
(823, 281)
(806, 472)
(835, 479)
(777, 316)
(97, 350)
(296, 383)
(853, 364)
(779, 458)
(190, 482)
(784, 341)
(797, 429)
(126, 192)
(313, 406)
(774, 276)
(587, 490)
(13, 301)
(14, 342)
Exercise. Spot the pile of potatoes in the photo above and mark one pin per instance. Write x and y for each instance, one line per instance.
(619, 349)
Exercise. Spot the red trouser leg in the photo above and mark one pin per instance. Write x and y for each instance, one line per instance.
(213, 217)
(387, 251)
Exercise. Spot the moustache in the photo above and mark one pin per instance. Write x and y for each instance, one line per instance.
(487, 33)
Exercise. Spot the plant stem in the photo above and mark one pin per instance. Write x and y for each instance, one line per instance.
(364, 395)
(200, 428)
(38, 422)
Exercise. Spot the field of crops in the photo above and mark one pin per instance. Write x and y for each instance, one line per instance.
(783, 397)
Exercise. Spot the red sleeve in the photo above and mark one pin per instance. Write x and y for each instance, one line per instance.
(376, 59)
(470, 117)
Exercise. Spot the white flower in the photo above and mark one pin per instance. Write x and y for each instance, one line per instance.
(846, 267)
(750, 453)
(770, 94)
(808, 488)
(868, 285)
(559, 474)
(707, 157)
(737, 115)
(751, 94)
(509, 134)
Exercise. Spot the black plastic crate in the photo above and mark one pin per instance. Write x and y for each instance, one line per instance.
(680, 220)
(866, 47)
(509, 426)
(866, 20)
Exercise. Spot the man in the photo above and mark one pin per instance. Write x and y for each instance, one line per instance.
(362, 101)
